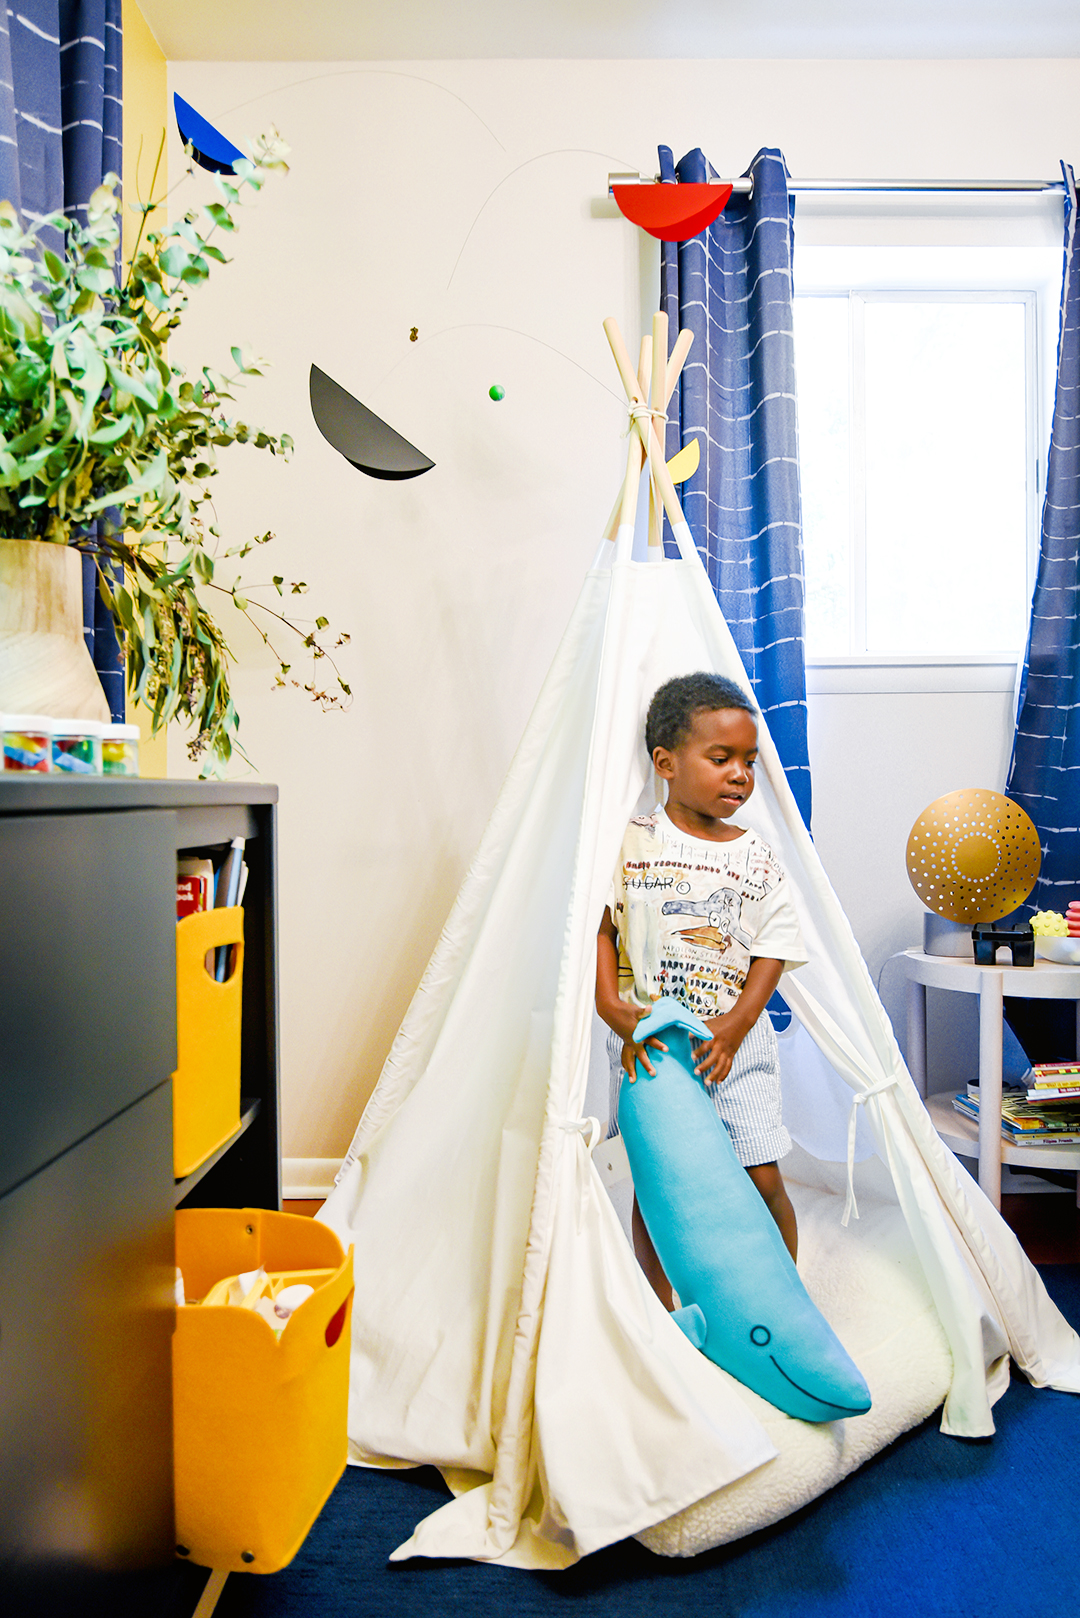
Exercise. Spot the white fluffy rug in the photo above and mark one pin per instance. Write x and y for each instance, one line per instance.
(868, 1284)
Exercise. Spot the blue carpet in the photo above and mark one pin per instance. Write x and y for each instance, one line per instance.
(964, 1529)
(932, 1525)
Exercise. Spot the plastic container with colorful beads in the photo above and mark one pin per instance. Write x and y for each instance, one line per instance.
(120, 749)
(76, 746)
(27, 740)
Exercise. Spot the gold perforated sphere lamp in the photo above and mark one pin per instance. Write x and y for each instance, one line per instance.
(972, 857)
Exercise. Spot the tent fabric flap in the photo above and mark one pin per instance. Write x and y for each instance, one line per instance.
(968, 1252)
(501, 1323)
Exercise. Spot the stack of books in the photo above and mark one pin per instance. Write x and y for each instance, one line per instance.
(1035, 1113)
(1053, 1081)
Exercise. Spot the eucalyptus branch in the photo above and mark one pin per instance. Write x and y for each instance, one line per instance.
(244, 603)
(146, 208)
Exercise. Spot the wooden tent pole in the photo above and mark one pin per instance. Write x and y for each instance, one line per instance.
(626, 506)
(645, 374)
(633, 460)
(662, 478)
(622, 359)
(683, 344)
(644, 366)
(659, 403)
(659, 359)
(677, 360)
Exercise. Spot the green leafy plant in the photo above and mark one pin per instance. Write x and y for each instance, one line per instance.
(106, 445)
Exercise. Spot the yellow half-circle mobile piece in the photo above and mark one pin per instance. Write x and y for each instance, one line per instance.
(973, 856)
(685, 463)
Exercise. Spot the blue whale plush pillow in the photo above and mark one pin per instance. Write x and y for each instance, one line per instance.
(743, 1304)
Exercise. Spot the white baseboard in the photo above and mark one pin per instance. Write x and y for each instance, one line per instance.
(305, 1178)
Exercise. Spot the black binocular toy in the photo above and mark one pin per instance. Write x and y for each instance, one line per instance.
(986, 938)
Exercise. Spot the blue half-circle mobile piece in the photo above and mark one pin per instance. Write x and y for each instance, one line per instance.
(359, 434)
(209, 148)
(743, 1304)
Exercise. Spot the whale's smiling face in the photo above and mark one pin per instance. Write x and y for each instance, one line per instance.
(761, 1337)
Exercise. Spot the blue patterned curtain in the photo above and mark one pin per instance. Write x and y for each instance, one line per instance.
(60, 134)
(1044, 776)
(732, 286)
(91, 61)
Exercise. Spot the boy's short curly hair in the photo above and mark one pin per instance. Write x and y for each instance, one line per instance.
(674, 704)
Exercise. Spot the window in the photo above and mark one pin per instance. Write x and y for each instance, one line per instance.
(917, 450)
(922, 369)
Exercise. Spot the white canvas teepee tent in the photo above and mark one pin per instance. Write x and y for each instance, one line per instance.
(502, 1328)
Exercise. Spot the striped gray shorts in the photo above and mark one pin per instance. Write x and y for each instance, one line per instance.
(748, 1100)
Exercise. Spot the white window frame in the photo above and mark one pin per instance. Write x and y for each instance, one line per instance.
(940, 247)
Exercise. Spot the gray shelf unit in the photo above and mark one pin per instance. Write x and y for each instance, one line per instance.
(87, 1048)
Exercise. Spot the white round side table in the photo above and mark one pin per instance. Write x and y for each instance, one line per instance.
(1043, 981)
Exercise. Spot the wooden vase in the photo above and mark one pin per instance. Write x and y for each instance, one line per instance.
(45, 667)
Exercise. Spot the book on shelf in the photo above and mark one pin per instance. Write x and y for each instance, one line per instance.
(231, 882)
(1065, 1091)
(1050, 1081)
(194, 886)
(227, 888)
(1054, 1072)
(1024, 1120)
(191, 895)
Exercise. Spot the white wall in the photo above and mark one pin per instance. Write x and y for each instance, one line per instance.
(468, 199)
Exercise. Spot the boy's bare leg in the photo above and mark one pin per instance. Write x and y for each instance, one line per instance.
(646, 1257)
(766, 1176)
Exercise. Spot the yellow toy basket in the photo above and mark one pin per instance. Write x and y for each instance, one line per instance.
(206, 1084)
(259, 1420)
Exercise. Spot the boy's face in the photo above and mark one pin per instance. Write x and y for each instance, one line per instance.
(710, 774)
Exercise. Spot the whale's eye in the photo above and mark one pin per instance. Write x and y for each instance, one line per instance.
(760, 1335)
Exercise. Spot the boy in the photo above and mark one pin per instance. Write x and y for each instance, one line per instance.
(699, 910)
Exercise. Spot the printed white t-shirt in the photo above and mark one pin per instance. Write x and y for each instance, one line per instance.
(691, 914)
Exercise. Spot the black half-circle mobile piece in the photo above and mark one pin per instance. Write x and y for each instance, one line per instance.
(209, 148)
(357, 433)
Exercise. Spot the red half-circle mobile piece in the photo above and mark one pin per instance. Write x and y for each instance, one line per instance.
(672, 213)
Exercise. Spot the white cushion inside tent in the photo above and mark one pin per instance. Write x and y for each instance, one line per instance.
(865, 1278)
(868, 1283)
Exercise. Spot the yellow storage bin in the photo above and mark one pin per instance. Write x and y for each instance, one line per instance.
(206, 1084)
(259, 1420)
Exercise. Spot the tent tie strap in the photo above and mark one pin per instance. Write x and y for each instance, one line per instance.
(587, 1128)
(643, 412)
(589, 1131)
(857, 1100)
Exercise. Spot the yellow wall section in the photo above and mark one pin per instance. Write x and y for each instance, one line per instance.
(146, 109)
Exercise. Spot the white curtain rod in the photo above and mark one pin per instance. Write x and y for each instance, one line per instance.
(744, 184)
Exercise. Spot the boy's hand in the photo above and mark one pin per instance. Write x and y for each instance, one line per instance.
(620, 1017)
(633, 1052)
(714, 1056)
